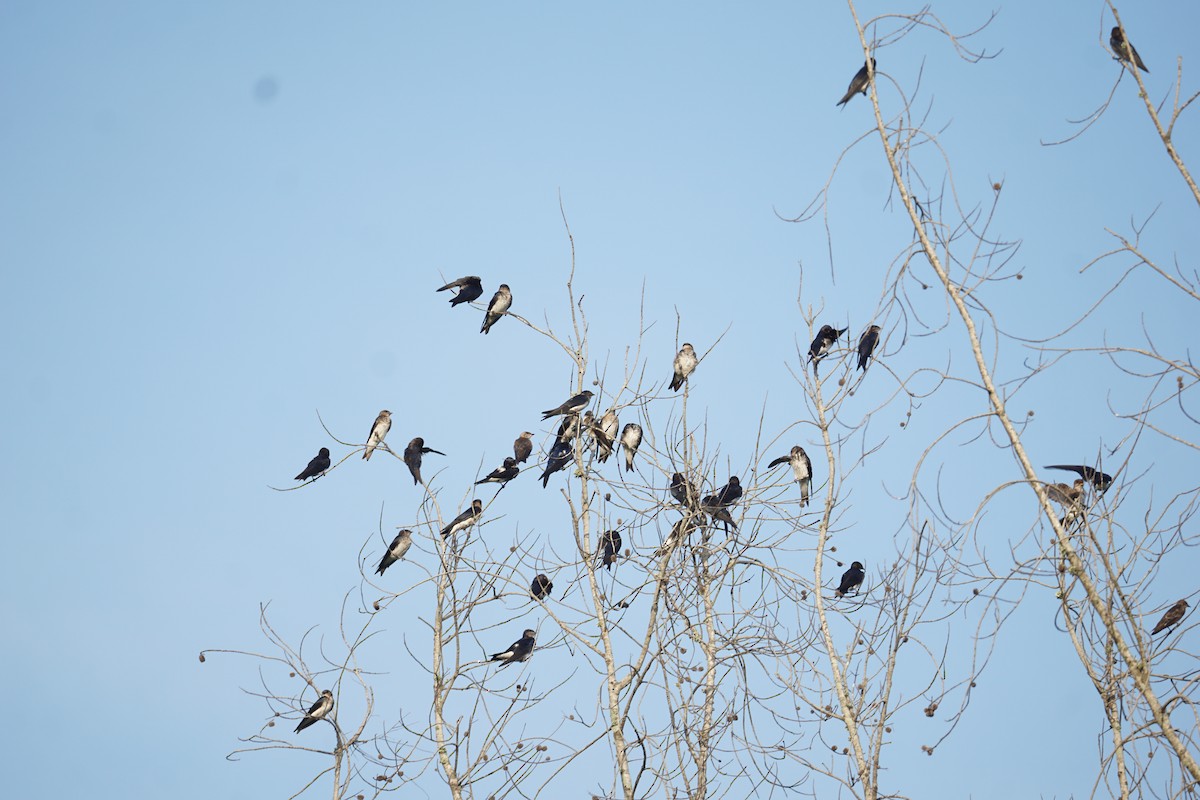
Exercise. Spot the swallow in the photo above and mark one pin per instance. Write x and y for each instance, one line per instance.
(572, 424)
(1100, 480)
(1174, 613)
(685, 365)
(726, 496)
(396, 551)
(464, 520)
(866, 346)
(518, 651)
(383, 424)
(820, 345)
(801, 469)
(501, 302)
(606, 434)
(1069, 497)
(683, 490)
(317, 466)
(572, 406)
(610, 549)
(680, 531)
(560, 455)
(412, 457)
(318, 710)
(502, 474)
(1119, 43)
(541, 587)
(859, 83)
(631, 440)
(851, 579)
(523, 447)
(469, 288)
(722, 515)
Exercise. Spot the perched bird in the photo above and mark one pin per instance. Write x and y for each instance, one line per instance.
(851, 579)
(572, 406)
(866, 346)
(560, 455)
(722, 515)
(502, 474)
(683, 490)
(396, 550)
(610, 548)
(859, 83)
(317, 466)
(726, 496)
(1126, 52)
(523, 447)
(801, 469)
(518, 651)
(541, 587)
(318, 710)
(1069, 497)
(631, 439)
(820, 345)
(1100, 480)
(412, 457)
(501, 302)
(1172, 617)
(573, 424)
(685, 365)
(469, 288)
(464, 520)
(383, 424)
(681, 529)
(606, 434)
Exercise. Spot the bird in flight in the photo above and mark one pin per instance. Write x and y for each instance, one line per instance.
(1101, 480)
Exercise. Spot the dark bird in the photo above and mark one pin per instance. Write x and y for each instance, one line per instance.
(610, 548)
(317, 466)
(469, 288)
(572, 406)
(464, 520)
(501, 302)
(726, 496)
(518, 651)
(859, 83)
(801, 470)
(412, 457)
(541, 587)
(1126, 52)
(318, 710)
(851, 579)
(683, 490)
(722, 515)
(606, 434)
(396, 550)
(523, 447)
(820, 345)
(1097, 478)
(383, 424)
(685, 365)
(502, 474)
(1172, 617)
(631, 440)
(572, 424)
(866, 346)
(560, 455)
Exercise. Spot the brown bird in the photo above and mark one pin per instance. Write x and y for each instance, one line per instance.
(1172, 617)
(383, 424)
(1069, 497)
(523, 447)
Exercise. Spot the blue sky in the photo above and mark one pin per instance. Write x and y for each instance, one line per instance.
(222, 218)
